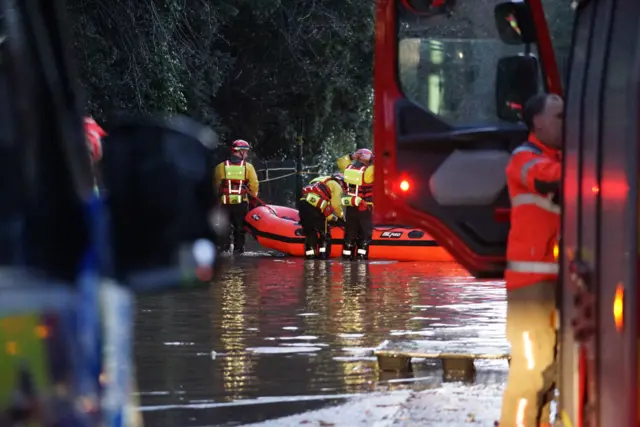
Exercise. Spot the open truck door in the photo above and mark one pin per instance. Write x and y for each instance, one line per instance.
(450, 82)
(599, 343)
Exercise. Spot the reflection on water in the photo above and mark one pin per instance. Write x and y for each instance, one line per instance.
(272, 328)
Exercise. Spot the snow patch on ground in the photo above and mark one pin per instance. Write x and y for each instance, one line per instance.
(374, 410)
(451, 405)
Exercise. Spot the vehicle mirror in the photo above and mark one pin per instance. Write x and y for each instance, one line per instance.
(514, 23)
(158, 175)
(516, 82)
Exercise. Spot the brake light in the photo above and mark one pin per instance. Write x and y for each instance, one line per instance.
(556, 251)
(618, 308)
(404, 185)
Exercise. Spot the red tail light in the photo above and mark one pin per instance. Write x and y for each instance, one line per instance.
(405, 185)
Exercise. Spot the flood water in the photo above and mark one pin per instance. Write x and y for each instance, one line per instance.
(275, 336)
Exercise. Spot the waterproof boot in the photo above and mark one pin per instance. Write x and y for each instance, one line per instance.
(362, 253)
(323, 252)
(238, 242)
(225, 245)
(225, 248)
(347, 251)
(310, 242)
(309, 252)
(324, 248)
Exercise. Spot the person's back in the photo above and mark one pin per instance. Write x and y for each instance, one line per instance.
(236, 181)
(238, 173)
(351, 161)
(320, 204)
(533, 179)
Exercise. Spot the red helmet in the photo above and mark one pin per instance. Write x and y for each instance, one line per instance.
(240, 145)
(94, 137)
(364, 156)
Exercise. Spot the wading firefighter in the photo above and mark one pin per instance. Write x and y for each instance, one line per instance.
(236, 181)
(358, 200)
(534, 179)
(94, 134)
(321, 203)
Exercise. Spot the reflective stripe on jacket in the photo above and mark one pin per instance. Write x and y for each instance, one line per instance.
(234, 186)
(534, 180)
(358, 191)
(324, 194)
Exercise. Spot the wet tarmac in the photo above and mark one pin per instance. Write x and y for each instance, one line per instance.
(277, 336)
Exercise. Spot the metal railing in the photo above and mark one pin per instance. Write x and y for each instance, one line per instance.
(308, 171)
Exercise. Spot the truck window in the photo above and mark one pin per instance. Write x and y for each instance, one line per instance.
(447, 64)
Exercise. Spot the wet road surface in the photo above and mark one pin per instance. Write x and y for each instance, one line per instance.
(278, 336)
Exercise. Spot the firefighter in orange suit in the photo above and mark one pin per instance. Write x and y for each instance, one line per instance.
(236, 181)
(321, 204)
(358, 200)
(534, 181)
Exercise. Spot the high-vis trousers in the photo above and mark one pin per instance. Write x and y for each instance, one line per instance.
(532, 335)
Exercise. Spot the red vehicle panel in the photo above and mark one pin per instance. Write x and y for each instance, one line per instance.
(435, 124)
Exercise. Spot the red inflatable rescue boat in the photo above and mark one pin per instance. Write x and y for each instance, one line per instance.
(276, 227)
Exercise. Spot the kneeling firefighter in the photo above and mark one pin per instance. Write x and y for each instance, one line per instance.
(321, 204)
(236, 181)
(358, 199)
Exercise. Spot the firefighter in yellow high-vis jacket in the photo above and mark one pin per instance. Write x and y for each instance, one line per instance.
(321, 204)
(236, 181)
(358, 200)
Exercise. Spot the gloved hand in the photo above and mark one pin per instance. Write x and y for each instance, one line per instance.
(362, 206)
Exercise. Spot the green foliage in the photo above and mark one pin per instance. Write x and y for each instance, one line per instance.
(262, 70)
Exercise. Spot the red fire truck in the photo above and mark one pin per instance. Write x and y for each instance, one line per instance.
(450, 81)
